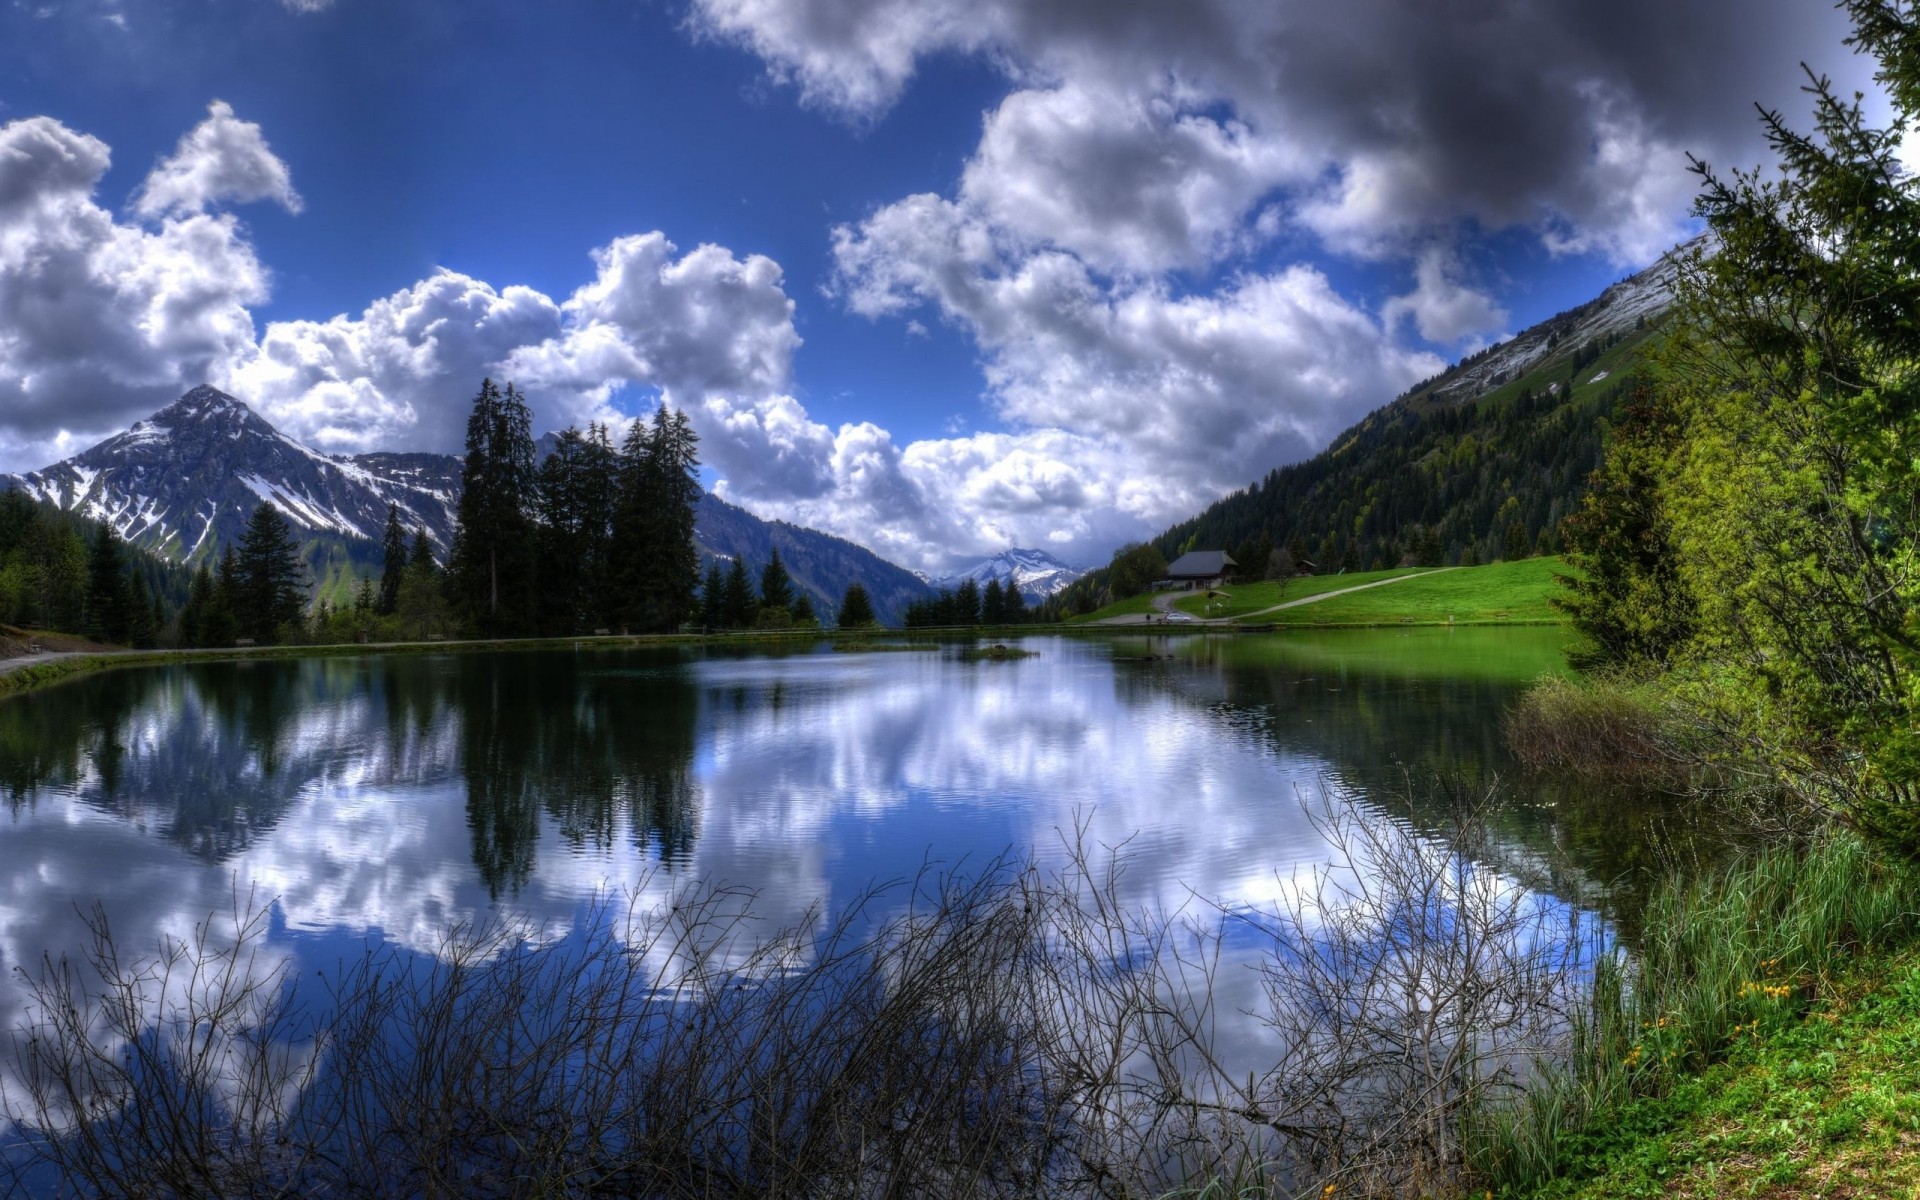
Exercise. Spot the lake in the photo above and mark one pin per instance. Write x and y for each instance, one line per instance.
(390, 798)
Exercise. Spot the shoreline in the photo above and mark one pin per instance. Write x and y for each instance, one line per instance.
(25, 673)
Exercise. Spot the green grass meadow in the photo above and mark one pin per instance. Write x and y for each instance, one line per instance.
(1503, 593)
(1247, 598)
(1517, 593)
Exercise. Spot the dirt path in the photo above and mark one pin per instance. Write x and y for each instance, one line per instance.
(9, 665)
(1358, 587)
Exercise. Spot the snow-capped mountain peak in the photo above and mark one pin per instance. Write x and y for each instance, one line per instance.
(1035, 572)
(183, 481)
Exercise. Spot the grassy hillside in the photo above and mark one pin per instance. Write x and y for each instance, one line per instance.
(1514, 593)
(1245, 599)
(1442, 475)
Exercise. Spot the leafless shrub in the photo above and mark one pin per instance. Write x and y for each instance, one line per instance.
(1007, 1031)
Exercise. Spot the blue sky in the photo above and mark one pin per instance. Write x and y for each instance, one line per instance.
(938, 276)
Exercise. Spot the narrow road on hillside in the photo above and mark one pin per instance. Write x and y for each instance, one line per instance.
(1163, 603)
(1358, 587)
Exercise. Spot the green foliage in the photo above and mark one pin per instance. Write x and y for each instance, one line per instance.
(269, 583)
(578, 490)
(490, 573)
(108, 597)
(1724, 960)
(739, 606)
(776, 589)
(1782, 474)
(393, 563)
(1628, 597)
(1134, 568)
(856, 611)
(655, 566)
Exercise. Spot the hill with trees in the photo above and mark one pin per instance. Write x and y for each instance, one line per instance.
(1477, 464)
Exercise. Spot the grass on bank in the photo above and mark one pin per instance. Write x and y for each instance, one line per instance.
(1519, 592)
(1245, 598)
(1502, 593)
(1825, 1105)
(1734, 973)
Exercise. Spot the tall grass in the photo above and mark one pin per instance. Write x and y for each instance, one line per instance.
(1740, 951)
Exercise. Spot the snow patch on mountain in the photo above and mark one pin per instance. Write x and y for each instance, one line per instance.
(1035, 572)
(182, 482)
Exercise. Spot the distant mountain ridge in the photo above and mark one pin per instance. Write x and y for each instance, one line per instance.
(182, 483)
(1036, 573)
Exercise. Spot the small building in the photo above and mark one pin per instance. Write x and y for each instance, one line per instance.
(1201, 569)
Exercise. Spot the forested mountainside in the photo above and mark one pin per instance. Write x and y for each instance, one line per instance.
(50, 569)
(821, 565)
(1477, 464)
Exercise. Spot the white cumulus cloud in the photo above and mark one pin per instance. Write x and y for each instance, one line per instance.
(221, 159)
(101, 321)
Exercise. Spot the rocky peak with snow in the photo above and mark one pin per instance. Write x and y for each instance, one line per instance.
(1035, 572)
(1621, 308)
(183, 482)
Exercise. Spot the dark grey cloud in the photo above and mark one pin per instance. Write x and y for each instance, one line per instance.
(1501, 112)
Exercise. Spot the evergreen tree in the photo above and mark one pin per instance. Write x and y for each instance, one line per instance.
(656, 563)
(422, 553)
(740, 602)
(569, 537)
(1013, 606)
(993, 606)
(776, 587)
(393, 568)
(803, 614)
(491, 569)
(365, 600)
(222, 619)
(856, 610)
(965, 604)
(193, 617)
(108, 598)
(269, 580)
(713, 600)
(677, 462)
(140, 615)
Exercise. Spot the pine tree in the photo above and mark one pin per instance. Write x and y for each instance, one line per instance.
(776, 587)
(422, 553)
(269, 580)
(656, 563)
(1013, 606)
(713, 608)
(393, 569)
(222, 623)
(678, 464)
(193, 618)
(564, 537)
(365, 600)
(993, 610)
(740, 602)
(856, 609)
(140, 614)
(108, 599)
(803, 614)
(491, 569)
(966, 603)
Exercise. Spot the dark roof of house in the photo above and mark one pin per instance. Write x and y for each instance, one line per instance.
(1200, 564)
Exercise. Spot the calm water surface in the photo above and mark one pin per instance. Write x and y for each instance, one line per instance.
(388, 797)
